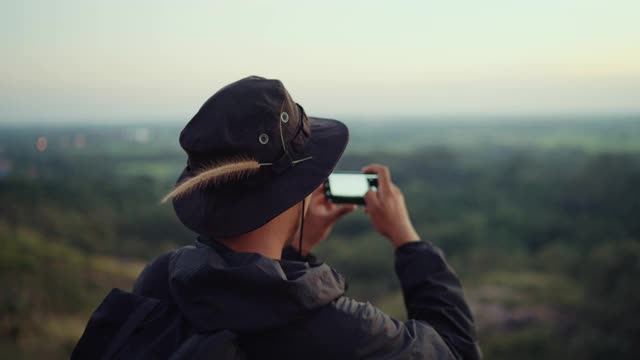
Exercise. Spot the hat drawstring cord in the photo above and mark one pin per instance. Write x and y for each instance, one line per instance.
(301, 229)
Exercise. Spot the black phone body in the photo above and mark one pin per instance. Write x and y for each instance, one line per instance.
(349, 187)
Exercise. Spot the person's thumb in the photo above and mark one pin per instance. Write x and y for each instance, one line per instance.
(343, 210)
(371, 200)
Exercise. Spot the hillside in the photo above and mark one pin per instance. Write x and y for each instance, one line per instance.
(537, 216)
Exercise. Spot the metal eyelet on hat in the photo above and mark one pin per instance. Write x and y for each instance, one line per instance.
(284, 117)
(263, 138)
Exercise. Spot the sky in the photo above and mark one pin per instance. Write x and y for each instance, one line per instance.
(101, 60)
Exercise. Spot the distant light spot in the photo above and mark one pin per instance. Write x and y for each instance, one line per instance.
(79, 141)
(41, 144)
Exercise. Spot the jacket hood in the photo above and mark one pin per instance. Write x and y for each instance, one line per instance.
(216, 288)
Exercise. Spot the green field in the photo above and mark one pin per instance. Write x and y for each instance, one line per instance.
(539, 217)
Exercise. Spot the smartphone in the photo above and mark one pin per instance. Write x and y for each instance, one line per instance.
(349, 187)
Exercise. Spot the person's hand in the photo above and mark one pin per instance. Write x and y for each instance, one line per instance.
(387, 210)
(320, 218)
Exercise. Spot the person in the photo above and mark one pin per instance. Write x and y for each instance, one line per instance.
(250, 287)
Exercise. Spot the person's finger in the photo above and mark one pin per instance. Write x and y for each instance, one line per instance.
(343, 210)
(384, 177)
(329, 205)
(318, 196)
(316, 202)
(319, 190)
(371, 168)
(348, 208)
(371, 200)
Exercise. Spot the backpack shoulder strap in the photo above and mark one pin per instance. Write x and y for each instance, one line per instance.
(120, 311)
(140, 313)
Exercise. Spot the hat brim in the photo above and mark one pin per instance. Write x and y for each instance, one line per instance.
(233, 210)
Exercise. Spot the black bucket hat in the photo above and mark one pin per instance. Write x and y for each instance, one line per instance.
(252, 154)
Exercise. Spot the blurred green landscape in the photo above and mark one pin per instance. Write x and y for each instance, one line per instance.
(540, 217)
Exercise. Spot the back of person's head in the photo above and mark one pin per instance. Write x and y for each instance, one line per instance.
(253, 153)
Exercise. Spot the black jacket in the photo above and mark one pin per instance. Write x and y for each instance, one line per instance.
(296, 308)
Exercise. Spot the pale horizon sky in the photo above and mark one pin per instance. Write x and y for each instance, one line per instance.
(146, 59)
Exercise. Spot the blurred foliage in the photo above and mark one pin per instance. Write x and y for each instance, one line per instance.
(48, 290)
(539, 218)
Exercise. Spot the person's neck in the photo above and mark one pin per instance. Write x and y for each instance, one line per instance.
(269, 239)
(270, 247)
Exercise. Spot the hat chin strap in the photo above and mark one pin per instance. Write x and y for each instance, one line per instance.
(301, 229)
